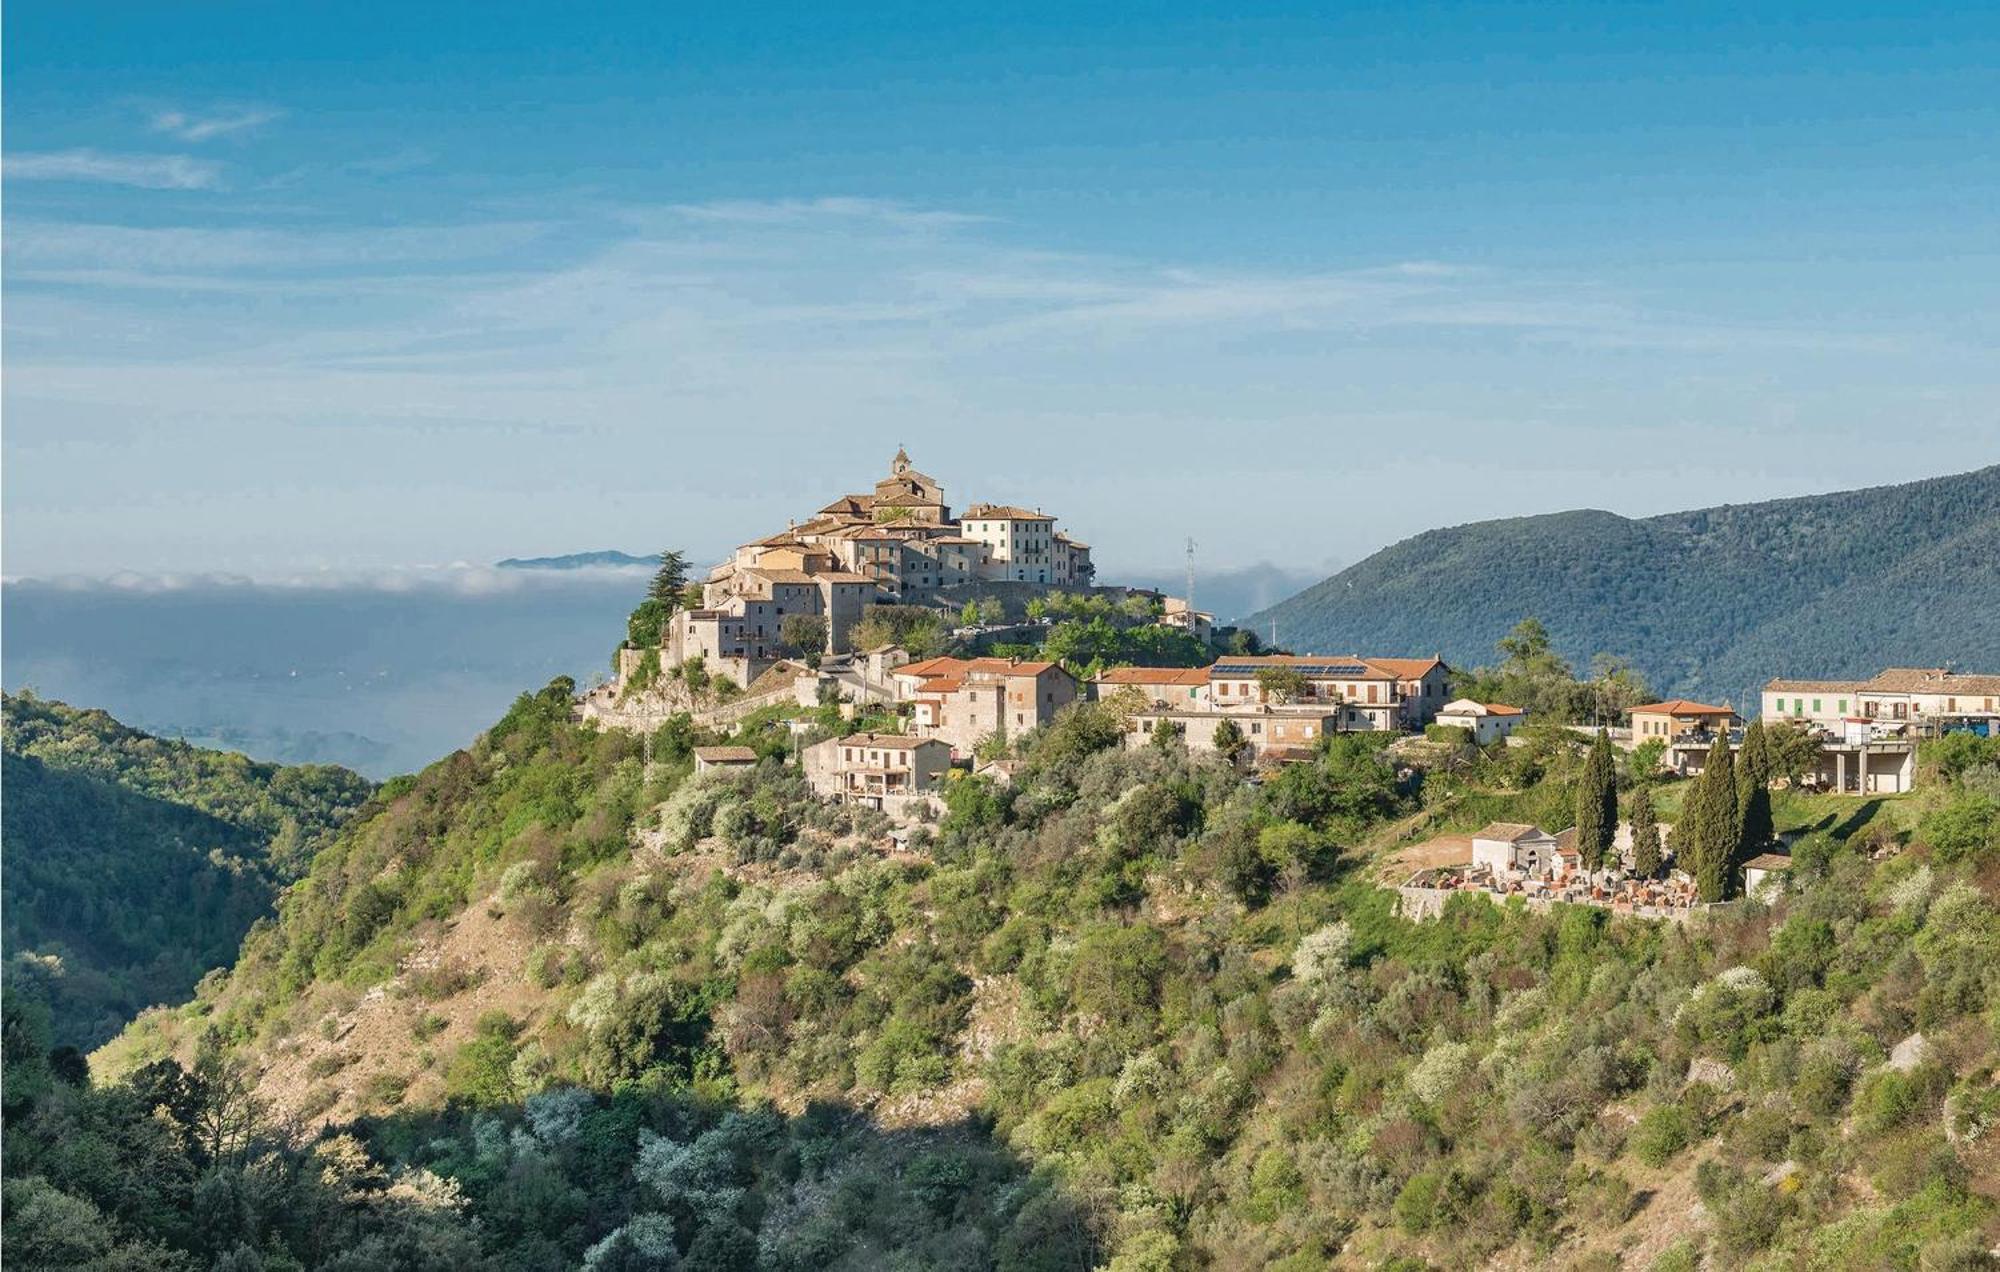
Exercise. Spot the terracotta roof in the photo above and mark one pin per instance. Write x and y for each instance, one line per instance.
(1406, 668)
(852, 505)
(1814, 686)
(1467, 706)
(931, 668)
(726, 754)
(1153, 676)
(924, 668)
(1681, 706)
(1932, 680)
(1508, 832)
(1768, 861)
(843, 576)
(1005, 512)
(886, 741)
(1008, 667)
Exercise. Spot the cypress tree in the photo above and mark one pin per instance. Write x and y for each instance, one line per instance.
(1645, 835)
(1753, 792)
(1714, 831)
(1597, 804)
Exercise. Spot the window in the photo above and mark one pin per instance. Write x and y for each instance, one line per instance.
(1843, 706)
(1815, 706)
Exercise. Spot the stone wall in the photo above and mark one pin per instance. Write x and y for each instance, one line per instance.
(1419, 904)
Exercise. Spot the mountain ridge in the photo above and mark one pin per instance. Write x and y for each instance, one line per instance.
(1709, 601)
(598, 559)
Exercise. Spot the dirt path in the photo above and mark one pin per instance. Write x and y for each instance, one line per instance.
(1445, 850)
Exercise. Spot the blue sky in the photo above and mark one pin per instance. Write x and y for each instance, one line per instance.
(359, 285)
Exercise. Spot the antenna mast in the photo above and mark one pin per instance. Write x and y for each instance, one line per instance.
(1190, 578)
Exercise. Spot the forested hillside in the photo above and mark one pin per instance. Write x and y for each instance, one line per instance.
(1708, 604)
(134, 865)
(558, 1002)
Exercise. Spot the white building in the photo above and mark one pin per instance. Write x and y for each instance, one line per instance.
(876, 769)
(1517, 848)
(1485, 721)
(1020, 544)
(1935, 696)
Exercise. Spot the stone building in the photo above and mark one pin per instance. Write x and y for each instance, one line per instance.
(876, 769)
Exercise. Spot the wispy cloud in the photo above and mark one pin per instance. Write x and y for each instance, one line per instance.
(188, 126)
(458, 577)
(148, 172)
(175, 249)
(805, 211)
(624, 350)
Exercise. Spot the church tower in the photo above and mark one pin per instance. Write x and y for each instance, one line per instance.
(901, 464)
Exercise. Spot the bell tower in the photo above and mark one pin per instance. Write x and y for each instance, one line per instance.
(901, 464)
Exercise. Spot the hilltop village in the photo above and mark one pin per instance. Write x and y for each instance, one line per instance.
(939, 639)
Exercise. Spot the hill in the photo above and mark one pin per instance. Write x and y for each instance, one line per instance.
(557, 1001)
(1707, 604)
(134, 865)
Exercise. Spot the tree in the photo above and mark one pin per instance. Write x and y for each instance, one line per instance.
(1645, 760)
(804, 635)
(1793, 750)
(968, 614)
(1597, 804)
(647, 624)
(670, 580)
(1753, 792)
(1167, 736)
(1526, 648)
(1228, 739)
(991, 611)
(1712, 829)
(1645, 835)
(1615, 687)
(1282, 683)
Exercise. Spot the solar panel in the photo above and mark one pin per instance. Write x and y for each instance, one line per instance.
(1304, 669)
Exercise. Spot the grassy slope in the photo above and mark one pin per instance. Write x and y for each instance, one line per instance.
(1085, 973)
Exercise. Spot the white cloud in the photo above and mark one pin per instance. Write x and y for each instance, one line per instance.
(148, 172)
(191, 127)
